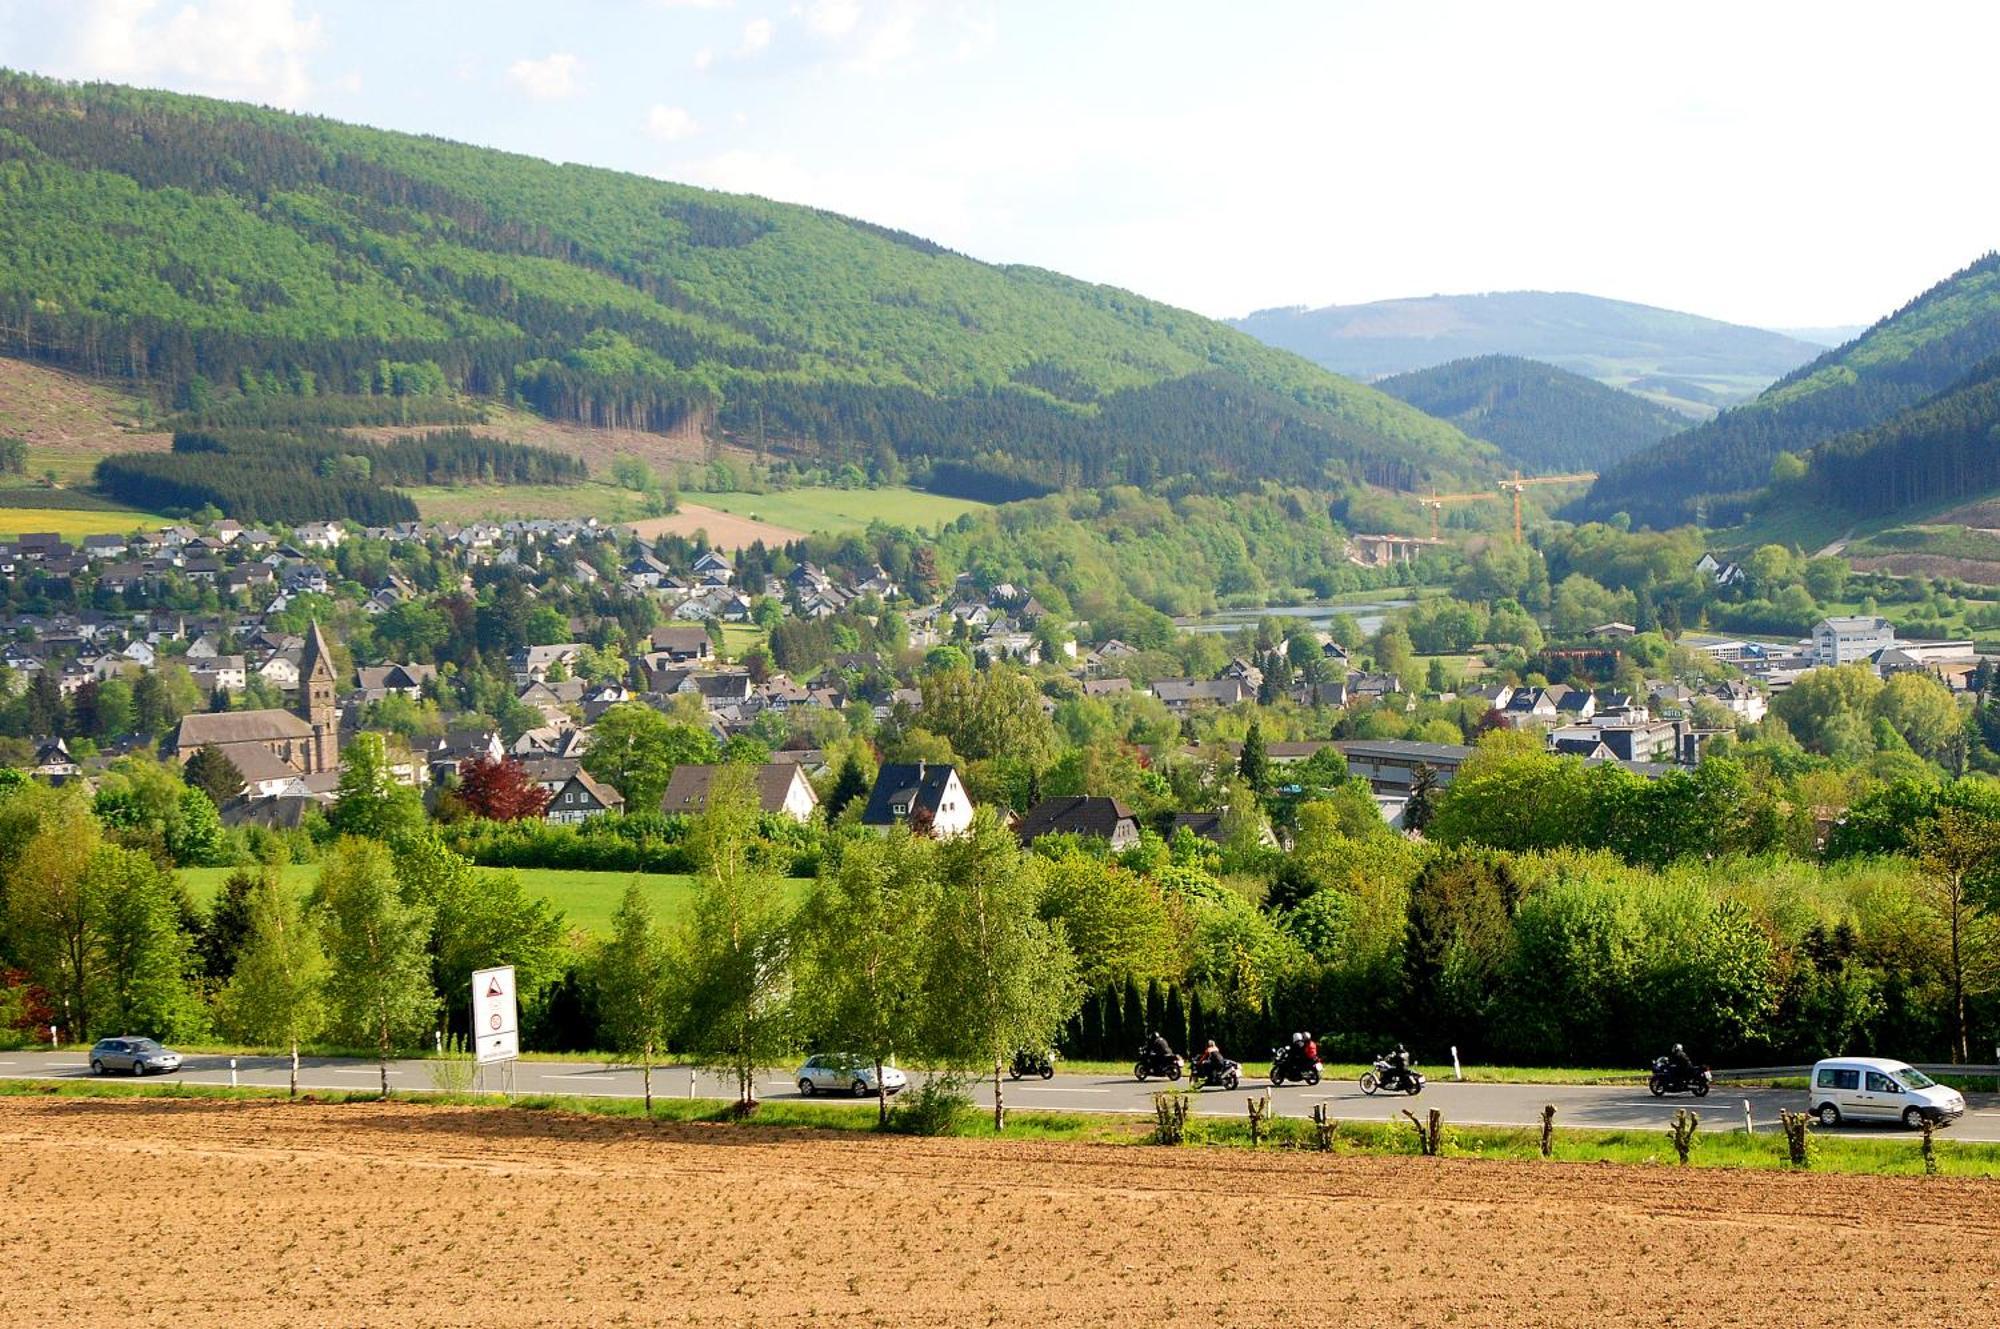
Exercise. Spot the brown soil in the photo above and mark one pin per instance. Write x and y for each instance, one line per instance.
(157, 1211)
(52, 409)
(1976, 571)
(725, 530)
(597, 447)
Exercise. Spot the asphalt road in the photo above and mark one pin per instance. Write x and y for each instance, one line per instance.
(1583, 1106)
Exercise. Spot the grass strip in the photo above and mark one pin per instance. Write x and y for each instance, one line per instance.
(1900, 1155)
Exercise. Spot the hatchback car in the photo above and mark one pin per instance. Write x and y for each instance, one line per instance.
(140, 1056)
(845, 1073)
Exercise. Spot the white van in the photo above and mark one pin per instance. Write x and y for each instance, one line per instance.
(1879, 1089)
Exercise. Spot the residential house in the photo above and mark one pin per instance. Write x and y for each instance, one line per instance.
(928, 792)
(580, 798)
(1182, 694)
(782, 788)
(682, 645)
(1077, 814)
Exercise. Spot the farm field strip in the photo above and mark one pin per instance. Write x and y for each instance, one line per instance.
(565, 1213)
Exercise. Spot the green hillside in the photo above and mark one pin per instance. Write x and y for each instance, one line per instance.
(1930, 346)
(1543, 418)
(207, 248)
(1691, 363)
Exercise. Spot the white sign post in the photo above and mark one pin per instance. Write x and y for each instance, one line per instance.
(496, 1021)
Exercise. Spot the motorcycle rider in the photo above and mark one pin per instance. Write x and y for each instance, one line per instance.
(1210, 1062)
(1679, 1063)
(1312, 1050)
(1398, 1063)
(1157, 1049)
(1295, 1055)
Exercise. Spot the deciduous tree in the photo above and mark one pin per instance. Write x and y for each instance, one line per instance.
(277, 993)
(379, 985)
(998, 978)
(861, 940)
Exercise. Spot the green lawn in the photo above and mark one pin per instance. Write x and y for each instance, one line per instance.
(738, 638)
(835, 510)
(587, 899)
(463, 503)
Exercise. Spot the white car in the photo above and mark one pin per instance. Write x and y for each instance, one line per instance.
(845, 1073)
(1879, 1089)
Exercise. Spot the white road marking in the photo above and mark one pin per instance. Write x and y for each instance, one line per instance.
(1051, 1089)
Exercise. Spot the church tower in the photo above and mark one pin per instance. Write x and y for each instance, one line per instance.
(316, 703)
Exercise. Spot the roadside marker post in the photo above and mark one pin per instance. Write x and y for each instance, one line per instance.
(54, 1042)
(232, 1072)
(1749, 1124)
(1456, 1073)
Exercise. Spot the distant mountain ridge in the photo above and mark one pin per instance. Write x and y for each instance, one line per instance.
(205, 249)
(1848, 401)
(1694, 364)
(1544, 419)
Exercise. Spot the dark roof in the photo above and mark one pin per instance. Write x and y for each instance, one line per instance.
(1403, 749)
(226, 727)
(1208, 825)
(1074, 814)
(910, 784)
(687, 789)
(606, 796)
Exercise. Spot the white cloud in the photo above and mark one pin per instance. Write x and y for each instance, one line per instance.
(670, 124)
(694, 4)
(757, 34)
(551, 78)
(703, 59)
(254, 49)
(833, 18)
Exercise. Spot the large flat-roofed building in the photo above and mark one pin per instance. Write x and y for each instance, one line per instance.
(1850, 639)
(1390, 764)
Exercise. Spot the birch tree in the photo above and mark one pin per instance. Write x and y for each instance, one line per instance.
(379, 988)
(998, 978)
(277, 994)
(860, 948)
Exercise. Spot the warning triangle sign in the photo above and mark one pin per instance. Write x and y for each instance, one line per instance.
(493, 988)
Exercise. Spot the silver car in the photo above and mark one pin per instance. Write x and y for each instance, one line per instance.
(140, 1056)
(845, 1073)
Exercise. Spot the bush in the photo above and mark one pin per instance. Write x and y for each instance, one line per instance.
(938, 1106)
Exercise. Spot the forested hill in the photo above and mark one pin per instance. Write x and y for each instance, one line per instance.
(1934, 344)
(1694, 364)
(206, 247)
(1542, 418)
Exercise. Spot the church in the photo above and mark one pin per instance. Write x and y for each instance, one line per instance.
(305, 740)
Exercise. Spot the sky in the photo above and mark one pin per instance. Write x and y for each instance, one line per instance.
(1775, 163)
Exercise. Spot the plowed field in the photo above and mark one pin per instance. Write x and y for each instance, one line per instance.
(154, 1211)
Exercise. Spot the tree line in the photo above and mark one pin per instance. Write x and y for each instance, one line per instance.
(311, 475)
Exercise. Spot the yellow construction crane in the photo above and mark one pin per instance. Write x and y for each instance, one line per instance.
(1517, 484)
(1435, 502)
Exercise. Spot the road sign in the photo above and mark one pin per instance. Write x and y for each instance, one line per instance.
(496, 1019)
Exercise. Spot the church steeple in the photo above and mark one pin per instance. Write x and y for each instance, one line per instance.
(316, 700)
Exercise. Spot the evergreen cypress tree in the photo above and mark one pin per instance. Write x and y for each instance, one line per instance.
(1176, 1028)
(1255, 763)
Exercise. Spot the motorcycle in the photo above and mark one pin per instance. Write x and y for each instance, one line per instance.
(1384, 1076)
(1670, 1079)
(1167, 1066)
(1217, 1075)
(1292, 1063)
(1032, 1063)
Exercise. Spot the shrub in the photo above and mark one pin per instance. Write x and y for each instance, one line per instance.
(938, 1106)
